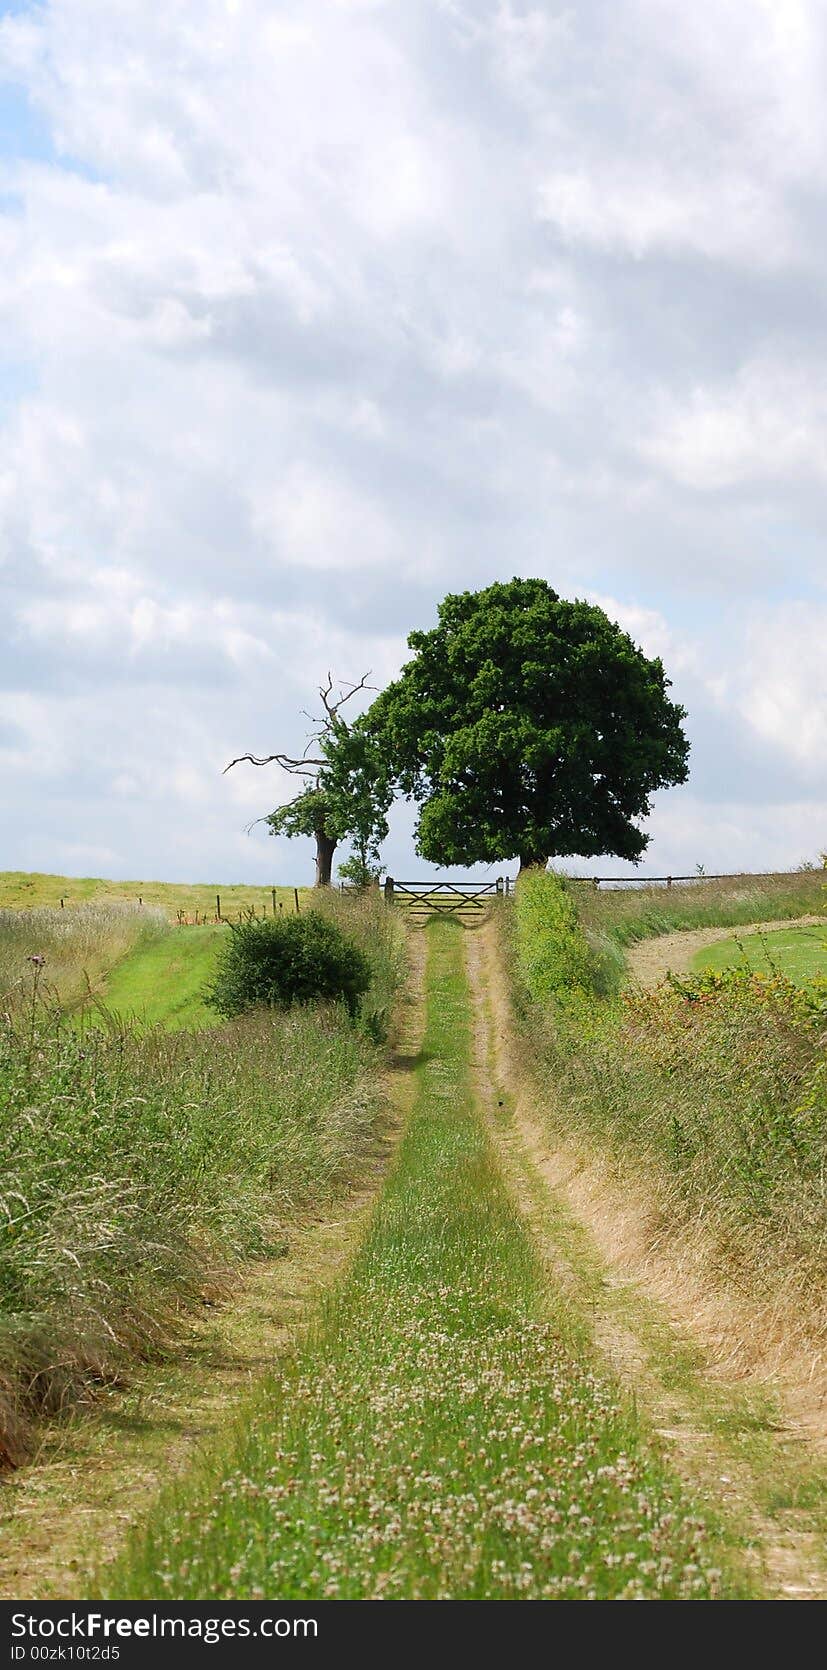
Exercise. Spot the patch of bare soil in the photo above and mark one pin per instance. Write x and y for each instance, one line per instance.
(652, 959)
(71, 1507)
(608, 1251)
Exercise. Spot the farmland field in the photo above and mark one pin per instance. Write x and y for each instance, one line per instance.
(21, 891)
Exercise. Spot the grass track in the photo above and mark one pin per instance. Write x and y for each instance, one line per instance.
(443, 1431)
(160, 983)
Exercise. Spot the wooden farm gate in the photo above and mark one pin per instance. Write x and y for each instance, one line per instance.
(465, 901)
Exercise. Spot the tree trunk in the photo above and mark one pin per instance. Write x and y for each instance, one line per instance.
(325, 848)
(531, 861)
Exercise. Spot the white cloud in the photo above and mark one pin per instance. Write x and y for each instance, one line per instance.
(319, 311)
(647, 209)
(768, 424)
(781, 682)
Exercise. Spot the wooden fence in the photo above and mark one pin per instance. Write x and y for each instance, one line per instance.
(247, 913)
(669, 881)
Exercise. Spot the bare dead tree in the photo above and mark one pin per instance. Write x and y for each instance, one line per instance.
(310, 815)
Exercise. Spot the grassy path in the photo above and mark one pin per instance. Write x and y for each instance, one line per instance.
(444, 1429)
(160, 983)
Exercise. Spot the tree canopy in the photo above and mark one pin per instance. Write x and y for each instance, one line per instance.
(528, 726)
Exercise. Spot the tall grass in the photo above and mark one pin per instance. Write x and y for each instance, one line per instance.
(78, 944)
(379, 932)
(717, 1088)
(138, 1166)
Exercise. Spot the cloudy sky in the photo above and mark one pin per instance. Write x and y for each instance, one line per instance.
(311, 312)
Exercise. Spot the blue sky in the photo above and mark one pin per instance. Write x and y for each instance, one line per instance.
(313, 312)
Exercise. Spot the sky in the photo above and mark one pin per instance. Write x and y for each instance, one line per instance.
(313, 312)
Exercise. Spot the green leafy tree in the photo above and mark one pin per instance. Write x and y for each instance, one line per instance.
(347, 788)
(528, 726)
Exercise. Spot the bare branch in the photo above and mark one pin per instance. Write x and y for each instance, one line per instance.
(345, 693)
(286, 762)
(307, 764)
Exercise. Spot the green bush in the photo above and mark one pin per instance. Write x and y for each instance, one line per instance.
(294, 959)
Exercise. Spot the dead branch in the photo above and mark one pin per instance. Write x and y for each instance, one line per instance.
(332, 722)
(286, 761)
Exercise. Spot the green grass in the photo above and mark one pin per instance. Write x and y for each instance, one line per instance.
(799, 953)
(161, 983)
(21, 890)
(442, 1432)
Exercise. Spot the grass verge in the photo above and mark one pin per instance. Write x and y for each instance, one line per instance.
(139, 1168)
(442, 1432)
(715, 1085)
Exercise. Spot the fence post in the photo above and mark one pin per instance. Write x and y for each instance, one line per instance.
(296, 897)
(389, 890)
(273, 890)
(499, 885)
(218, 907)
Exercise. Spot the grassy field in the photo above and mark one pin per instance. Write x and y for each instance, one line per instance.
(20, 890)
(799, 953)
(712, 1088)
(444, 1431)
(139, 1167)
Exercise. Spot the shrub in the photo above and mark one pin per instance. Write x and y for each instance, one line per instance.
(295, 959)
